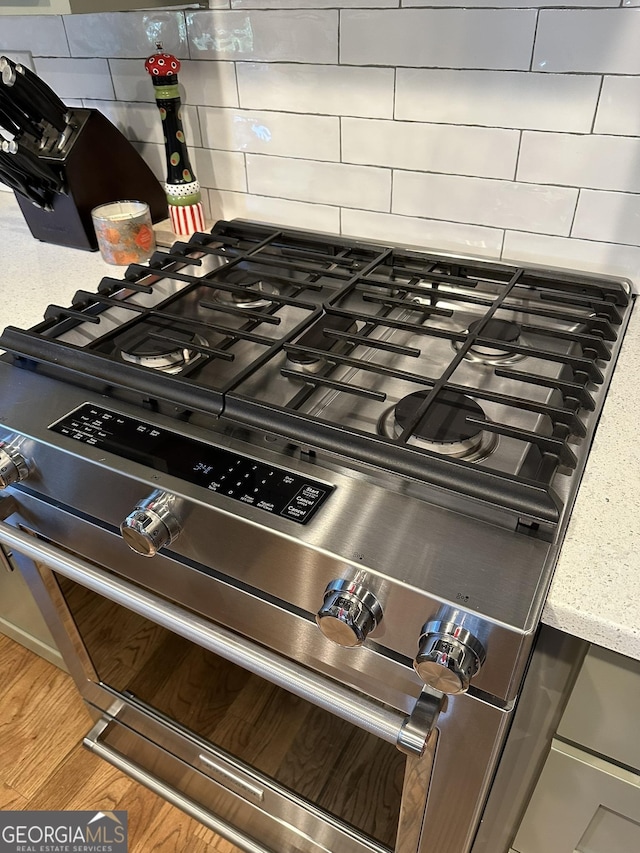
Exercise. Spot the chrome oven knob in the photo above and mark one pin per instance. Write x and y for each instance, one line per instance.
(448, 656)
(151, 525)
(13, 466)
(349, 613)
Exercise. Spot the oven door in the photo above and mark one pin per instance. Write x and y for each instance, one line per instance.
(269, 753)
(261, 749)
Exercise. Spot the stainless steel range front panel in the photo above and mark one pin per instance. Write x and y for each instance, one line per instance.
(422, 561)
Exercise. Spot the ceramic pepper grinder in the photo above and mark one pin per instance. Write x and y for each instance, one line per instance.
(181, 187)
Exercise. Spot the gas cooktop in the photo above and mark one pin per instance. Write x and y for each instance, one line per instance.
(479, 378)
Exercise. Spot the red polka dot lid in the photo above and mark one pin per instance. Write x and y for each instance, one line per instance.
(162, 64)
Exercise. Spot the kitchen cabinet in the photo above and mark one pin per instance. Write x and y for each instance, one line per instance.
(65, 7)
(587, 798)
(20, 618)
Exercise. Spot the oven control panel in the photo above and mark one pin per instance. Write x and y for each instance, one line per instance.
(250, 481)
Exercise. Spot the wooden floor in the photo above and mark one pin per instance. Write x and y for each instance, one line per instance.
(43, 765)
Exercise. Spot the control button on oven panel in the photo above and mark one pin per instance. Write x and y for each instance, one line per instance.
(350, 612)
(240, 478)
(13, 466)
(448, 656)
(152, 524)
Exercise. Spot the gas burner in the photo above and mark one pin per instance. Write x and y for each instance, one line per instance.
(499, 330)
(444, 427)
(318, 337)
(141, 346)
(255, 286)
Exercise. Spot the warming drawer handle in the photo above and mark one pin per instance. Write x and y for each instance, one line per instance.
(229, 778)
(385, 723)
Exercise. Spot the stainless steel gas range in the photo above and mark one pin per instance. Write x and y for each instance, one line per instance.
(291, 504)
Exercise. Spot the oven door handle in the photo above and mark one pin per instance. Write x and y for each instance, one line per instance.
(408, 733)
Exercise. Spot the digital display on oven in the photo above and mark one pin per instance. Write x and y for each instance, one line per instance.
(267, 487)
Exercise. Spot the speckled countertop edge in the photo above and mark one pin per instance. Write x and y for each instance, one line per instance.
(595, 592)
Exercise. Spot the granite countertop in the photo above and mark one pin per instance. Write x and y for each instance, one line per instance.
(595, 593)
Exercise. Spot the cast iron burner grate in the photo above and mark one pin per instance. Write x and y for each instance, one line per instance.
(347, 330)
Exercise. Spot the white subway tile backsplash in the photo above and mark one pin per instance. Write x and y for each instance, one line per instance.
(431, 123)
(311, 4)
(280, 211)
(43, 35)
(482, 201)
(498, 98)
(364, 187)
(142, 122)
(122, 34)
(324, 89)
(223, 170)
(128, 83)
(299, 35)
(77, 78)
(276, 134)
(438, 38)
(597, 162)
(425, 234)
(615, 111)
(210, 84)
(603, 41)
(479, 151)
(608, 217)
(509, 4)
(572, 254)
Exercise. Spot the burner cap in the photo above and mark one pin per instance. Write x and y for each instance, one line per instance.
(499, 330)
(138, 342)
(445, 421)
(315, 338)
(244, 279)
(139, 345)
(444, 428)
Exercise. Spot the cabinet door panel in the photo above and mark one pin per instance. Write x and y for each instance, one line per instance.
(581, 804)
(604, 707)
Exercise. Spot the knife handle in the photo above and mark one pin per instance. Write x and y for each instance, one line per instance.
(17, 116)
(31, 100)
(43, 87)
(33, 165)
(7, 123)
(15, 178)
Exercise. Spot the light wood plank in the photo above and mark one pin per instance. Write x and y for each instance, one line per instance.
(81, 781)
(11, 799)
(166, 834)
(41, 713)
(42, 723)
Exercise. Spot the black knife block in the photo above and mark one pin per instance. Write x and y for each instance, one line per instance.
(99, 165)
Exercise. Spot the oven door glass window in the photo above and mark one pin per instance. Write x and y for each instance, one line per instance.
(331, 764)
